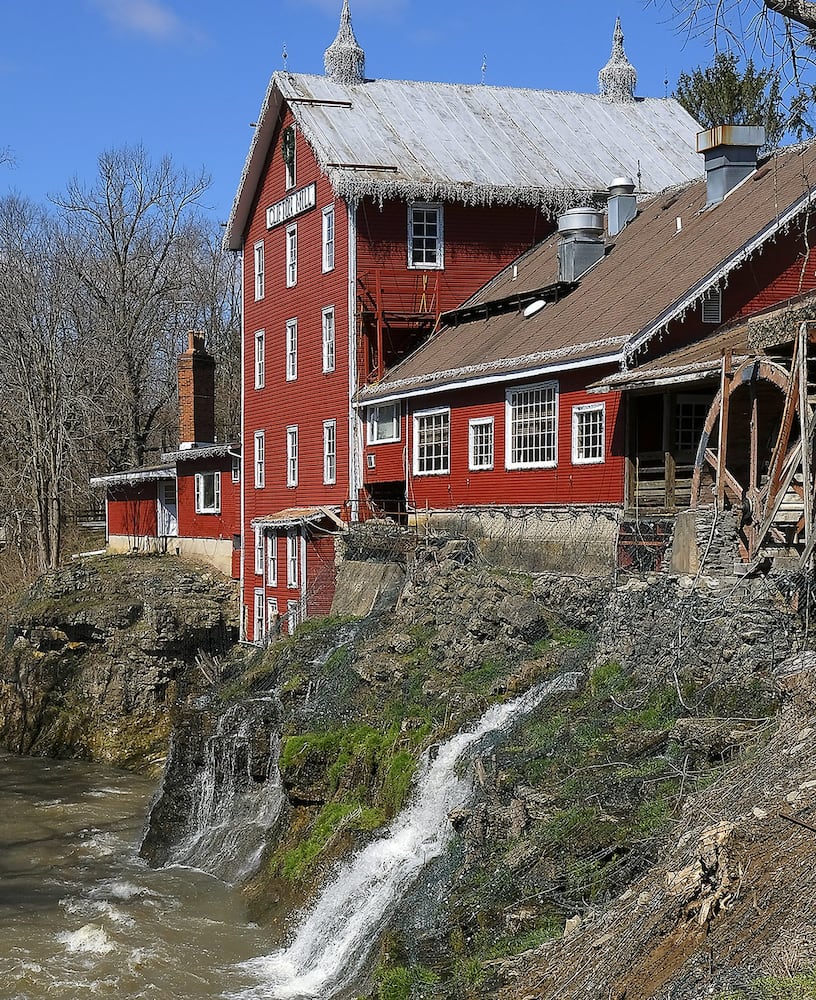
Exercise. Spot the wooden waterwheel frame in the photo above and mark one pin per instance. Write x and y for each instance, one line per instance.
(761, 497)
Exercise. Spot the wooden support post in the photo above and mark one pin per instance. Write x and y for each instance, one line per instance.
(669, 462)
(722, 447)
(805, 431)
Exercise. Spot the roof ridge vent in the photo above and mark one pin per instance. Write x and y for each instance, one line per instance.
(344, 59)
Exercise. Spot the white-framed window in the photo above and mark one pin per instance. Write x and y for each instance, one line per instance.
(588, 433)
(292, 456)
(712, 306)
(208, 492)
(425, 236)
(259, 552)
(235, 472)
(481, 445)
(383, 423)
(272, 560)
(258, 616)
(432, 442)
(294, 615)
(531, 439)
(271, 615)
(329, 452)
(329, 346)
(260, 459)
(291, 256)
(328, 239)
(292, 558)
(291, 349)
(259, 270)
(260, 359)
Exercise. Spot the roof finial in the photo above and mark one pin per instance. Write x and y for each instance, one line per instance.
(344, 60)
(618, 79)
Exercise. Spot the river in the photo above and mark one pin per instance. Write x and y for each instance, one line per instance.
(81, 915)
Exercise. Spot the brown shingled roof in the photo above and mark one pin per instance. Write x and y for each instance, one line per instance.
(651, 272)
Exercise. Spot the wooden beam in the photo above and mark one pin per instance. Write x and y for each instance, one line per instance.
(805, 432)
(722, 450)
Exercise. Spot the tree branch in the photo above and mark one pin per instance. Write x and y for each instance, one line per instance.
(801, 11)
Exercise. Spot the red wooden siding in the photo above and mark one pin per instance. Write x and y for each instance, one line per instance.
(193, 525)
(132, 510)
(564, 483)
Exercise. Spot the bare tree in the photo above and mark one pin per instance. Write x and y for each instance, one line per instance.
(44, 391)
(131, 225)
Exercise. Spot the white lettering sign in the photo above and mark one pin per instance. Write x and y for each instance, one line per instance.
(293, 204)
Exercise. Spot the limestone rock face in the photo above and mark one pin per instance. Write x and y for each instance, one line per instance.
(95, 653)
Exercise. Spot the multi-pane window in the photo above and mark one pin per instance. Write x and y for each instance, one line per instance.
(208, 492)
(329, 349)
(328, 238)
(259, 552)
(383, 424)
(258, 617)
(480, 443)
(260, 359)
(329, 451)
(689, 419)
(259, 270)
(260, 459)
(293, 615)
(272, 560)
(291, 456)
(236, 469)
(292, 558)
(271, 615)
(425, 247)
(532, 426)
(291, 256)
(432, 442)
(291, 349)
(588, 430)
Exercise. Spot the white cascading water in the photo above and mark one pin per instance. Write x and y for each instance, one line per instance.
(336, 936)
(233, 812)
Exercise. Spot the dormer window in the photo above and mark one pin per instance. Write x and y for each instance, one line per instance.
(712, 306)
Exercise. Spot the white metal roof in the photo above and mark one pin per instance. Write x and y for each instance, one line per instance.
(471, 143)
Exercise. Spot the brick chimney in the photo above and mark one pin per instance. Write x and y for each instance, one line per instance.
(196, 391)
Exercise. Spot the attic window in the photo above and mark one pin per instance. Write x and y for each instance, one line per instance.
(288, 153)
(712, 306)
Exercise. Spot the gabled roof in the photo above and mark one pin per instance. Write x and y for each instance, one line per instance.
(656, 269)
(471, 144)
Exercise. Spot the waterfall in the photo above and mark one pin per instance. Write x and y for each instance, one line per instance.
(336, 935)
(237, 797)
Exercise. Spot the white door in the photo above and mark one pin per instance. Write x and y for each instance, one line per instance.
(168, 508)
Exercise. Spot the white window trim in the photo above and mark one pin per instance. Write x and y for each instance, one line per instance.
(417, 416)
(272, 560)
(291, 350)
(258, 616)
(373, 424)
(329, 435)
(235, 472)
(440, 248)
(577, 411)
(260, 359)
(259, 552)
(200, 507)
(292, 455)
(291, 255)
(329, 343)
(260, 459)
(259, 265)
(271, 615)
(328, 250)
(294, 615)
(508, 428)
(292, 558)
(481, 422)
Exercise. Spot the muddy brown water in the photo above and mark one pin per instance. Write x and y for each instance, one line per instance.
(82, 916)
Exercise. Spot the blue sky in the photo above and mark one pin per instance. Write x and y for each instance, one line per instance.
(186, 78)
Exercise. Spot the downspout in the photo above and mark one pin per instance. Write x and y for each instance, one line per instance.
(354, 458)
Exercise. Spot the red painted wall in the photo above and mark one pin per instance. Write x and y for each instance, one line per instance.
(565, 483)
(192, 525)
(132, 510)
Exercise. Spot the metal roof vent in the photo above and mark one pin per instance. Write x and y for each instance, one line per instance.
(581, 244)
(730, 153)
(621, 207)
(344, 59)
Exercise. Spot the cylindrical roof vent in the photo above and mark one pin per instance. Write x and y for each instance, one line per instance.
(584, 221)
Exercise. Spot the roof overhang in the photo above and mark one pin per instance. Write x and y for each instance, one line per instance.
(132, 476)
(293, 517)
(232, 449)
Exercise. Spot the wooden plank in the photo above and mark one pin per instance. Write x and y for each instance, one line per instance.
(725, 398)
(805, 432)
